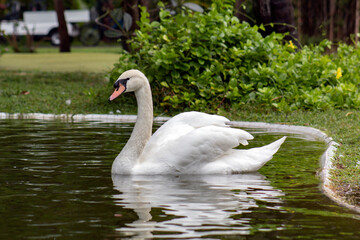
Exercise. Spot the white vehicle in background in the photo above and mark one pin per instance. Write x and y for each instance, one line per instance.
(95, 24)
(40, 24)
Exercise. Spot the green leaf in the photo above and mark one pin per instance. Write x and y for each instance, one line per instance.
(233, 83)
(164, 84)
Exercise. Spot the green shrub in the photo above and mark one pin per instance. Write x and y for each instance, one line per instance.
(202, 61)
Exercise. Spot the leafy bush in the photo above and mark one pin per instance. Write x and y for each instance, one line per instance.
(207, 60)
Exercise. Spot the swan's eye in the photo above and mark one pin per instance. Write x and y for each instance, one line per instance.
(116, 84)
(122, 82)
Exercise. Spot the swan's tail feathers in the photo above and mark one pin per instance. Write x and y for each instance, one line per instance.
(273, 147)
(253, 159)
(242, 161)
(265, 153)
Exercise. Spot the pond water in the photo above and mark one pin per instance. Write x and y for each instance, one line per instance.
(55, 183)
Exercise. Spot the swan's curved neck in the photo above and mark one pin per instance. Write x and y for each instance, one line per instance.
(143, 126)
(140, 135)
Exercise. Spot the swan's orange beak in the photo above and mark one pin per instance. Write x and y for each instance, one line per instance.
(118, 91)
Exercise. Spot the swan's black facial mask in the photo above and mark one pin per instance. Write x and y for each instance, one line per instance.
(120, 87)
(122, 82)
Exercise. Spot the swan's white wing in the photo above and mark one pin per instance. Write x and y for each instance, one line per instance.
(192, 150)
(240, 161)
(181, 125)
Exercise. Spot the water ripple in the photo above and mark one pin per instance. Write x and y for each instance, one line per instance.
(55, 182)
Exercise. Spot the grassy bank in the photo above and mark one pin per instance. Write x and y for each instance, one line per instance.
(45, 92)
(49, 92)
(81, 60)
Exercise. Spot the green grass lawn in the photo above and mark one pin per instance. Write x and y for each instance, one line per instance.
(80, 60)
(82, 49)
(80, 78)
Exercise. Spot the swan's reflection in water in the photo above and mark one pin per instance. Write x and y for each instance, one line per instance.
(192, 206)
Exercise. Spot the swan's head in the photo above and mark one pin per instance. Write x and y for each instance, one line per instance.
(129, 81)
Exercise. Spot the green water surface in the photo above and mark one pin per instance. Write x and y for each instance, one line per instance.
(55, 183)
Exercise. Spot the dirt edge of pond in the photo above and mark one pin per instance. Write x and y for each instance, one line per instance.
(325, 162)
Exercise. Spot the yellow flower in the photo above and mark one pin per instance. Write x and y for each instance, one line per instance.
(291, 45)
(338, 73)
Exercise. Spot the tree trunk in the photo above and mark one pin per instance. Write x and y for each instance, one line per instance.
(131, 7)
(63, 32)
(299, 19)
(332, 13)
(146, 3)
(280, 13)
(357, 18)
(239, 11)
(262, 11)
(332, 19)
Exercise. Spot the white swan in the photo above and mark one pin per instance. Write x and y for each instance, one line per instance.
(189, 143)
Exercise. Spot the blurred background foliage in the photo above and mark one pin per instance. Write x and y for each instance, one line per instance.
(281, 54)
(210, 60)
(313, 21)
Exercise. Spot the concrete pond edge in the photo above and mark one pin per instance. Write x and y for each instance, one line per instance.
(325, 162)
